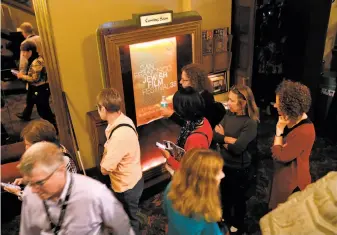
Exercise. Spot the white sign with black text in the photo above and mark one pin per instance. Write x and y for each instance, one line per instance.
(155, 19)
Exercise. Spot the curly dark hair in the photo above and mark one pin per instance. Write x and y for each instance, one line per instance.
(295, 98)
(198, 76)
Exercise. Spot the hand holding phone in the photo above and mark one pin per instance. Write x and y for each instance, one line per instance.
(161, 146)
(8, 185)
(15, 72)
(164, 150)
(11, 188)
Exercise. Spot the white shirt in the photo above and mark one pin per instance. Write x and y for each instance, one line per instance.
(92, 209)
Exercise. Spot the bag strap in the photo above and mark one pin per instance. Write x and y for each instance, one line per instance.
(202, 133)
(120, 125)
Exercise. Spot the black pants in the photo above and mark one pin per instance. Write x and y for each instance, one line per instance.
(233, 196)
(27, 112)
(130, 201)
(39, 95)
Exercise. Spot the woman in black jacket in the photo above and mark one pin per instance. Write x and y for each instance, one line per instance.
(193, 75)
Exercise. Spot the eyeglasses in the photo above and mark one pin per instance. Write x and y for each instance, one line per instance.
(40, 183)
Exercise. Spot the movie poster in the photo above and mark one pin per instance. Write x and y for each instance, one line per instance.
(154, 74)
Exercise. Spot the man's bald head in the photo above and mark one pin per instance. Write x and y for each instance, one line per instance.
(45, 155)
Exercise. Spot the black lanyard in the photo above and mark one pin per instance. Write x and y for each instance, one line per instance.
(56, 228)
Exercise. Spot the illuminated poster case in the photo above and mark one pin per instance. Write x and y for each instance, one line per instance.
(130, 53)
(154, 74)
(142, 59)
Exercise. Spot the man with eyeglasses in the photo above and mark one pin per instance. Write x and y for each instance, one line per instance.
(56, 201)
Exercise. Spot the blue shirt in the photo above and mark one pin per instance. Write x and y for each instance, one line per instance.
(181, 225)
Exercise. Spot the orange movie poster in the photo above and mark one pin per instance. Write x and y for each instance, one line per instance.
(154, 74)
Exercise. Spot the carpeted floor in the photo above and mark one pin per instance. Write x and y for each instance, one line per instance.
(15, 103)
(323, 160)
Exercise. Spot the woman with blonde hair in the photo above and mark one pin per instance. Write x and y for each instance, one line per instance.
(192, 199)
(235, 138)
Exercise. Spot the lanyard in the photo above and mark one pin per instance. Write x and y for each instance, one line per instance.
(56, 228)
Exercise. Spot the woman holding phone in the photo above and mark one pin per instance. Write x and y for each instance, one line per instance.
(38, 84)
(196, 131)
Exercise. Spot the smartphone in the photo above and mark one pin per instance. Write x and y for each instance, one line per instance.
(161, 146)
(13, 186)
(15, 72)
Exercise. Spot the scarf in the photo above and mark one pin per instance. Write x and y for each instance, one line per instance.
(186, 130)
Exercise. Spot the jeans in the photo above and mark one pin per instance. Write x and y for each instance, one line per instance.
(130, 202)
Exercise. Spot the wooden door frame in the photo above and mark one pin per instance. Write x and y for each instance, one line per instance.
(49, 53)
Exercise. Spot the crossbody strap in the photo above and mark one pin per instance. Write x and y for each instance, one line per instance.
(202, 133)
(57, 227)
(120, 125)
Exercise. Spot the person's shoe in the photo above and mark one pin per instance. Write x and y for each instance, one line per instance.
(20, 115)
(233, 229)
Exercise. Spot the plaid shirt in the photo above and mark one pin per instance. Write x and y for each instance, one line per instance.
(37, 74)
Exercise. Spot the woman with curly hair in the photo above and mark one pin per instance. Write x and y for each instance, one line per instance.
(192, 199)
(193, 75)
(294, 138)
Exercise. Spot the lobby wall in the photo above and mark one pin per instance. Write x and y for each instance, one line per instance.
(74, 25)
